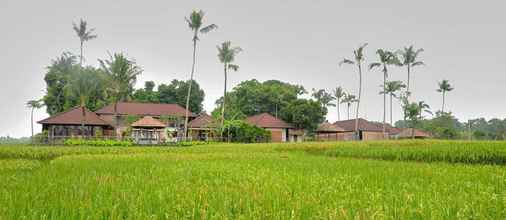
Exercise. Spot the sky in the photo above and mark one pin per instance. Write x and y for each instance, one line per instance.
(299, 42)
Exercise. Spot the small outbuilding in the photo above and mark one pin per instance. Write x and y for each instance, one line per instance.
(280, 130)
(202, 128)
(148, 130)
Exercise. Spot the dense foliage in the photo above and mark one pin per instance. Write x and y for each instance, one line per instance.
(236, 181)
(240, 131)
(280, 99)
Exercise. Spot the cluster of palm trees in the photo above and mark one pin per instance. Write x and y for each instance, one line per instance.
(407, 57)
(226, 55)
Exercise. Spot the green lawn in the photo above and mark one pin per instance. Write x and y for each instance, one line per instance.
(372, 180)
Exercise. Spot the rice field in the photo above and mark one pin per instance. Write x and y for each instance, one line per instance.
(367, 180)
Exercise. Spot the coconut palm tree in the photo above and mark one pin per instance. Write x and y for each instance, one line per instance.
(358, 59)
(444, 87)
(122, 74)
(196, 24)
(392, 88)
(338, 95)
(226, 55)
(424, 107)
(82, 84)
(412, 112)
(386, 58)
(409, 59)
(84, 35)
(33, 104)
(349, 99)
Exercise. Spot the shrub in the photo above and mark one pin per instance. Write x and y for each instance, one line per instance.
(240, 131)
(97, 143)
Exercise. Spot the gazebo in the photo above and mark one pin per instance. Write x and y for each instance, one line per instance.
(148, 130)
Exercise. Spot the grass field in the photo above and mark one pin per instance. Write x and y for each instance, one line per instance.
(368, 180)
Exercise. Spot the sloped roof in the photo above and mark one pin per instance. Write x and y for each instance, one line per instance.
(363, 125)
(153, 109)
(148, 122)
(407, 132)
(202, 121)
(74, 117)
(266, 120)
(328, 127)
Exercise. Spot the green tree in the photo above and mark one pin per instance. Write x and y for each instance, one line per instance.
(121, 75)
(323, 97)
(32, 105)
(338, 95)
(392, 88)
(444, 87)
(304, 113)
(147, 94)
(56, 79)
(409, 59)
(226, 55)
(358, 59)
(386, 58)
(84, 35)
(175, 93)
(196, 24)
(349, 99)
(412, 113)
(82, 84)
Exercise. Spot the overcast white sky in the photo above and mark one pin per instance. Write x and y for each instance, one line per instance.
(295, 41)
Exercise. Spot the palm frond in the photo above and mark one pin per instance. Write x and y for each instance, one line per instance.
(418, 63)
(374, 65)
(346, 61)
(233, 67)
(208, 28)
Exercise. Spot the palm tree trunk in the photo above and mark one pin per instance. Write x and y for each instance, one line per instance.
(359, 98)
(224, 96)
(443, 105)
(31, 119)
(190, 88)
(413, 132)
(338, 110)
(81, 57)
(348, 111)
(384, 98)
(83, 118)
(391, 110)
(407, 86)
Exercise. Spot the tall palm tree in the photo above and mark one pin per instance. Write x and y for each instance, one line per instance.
(386, 58)
(392, 88)
(349, 99)
(33, 104)
(358, 59)
(122, 74)
(226, 55)
(338, 95)
(84, 35)
(444, 87)
(409, 59)
(196, 24)
(412, 112)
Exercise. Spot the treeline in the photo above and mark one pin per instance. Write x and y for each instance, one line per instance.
(447, 126)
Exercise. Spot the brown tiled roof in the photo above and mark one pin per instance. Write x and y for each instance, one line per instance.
(327, 127)
(266, 120)
(202, 121)
(406, 132)
(74, 117)
(148, 122)
(363, 125)
(153, 109)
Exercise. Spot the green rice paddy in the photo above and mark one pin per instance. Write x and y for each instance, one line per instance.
(347, 180)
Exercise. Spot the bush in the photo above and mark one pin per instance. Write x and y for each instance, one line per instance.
(240, 131)
(97, 143)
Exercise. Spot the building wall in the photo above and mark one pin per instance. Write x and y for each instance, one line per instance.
(341, 136)
(276, 132)
(373, 135)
